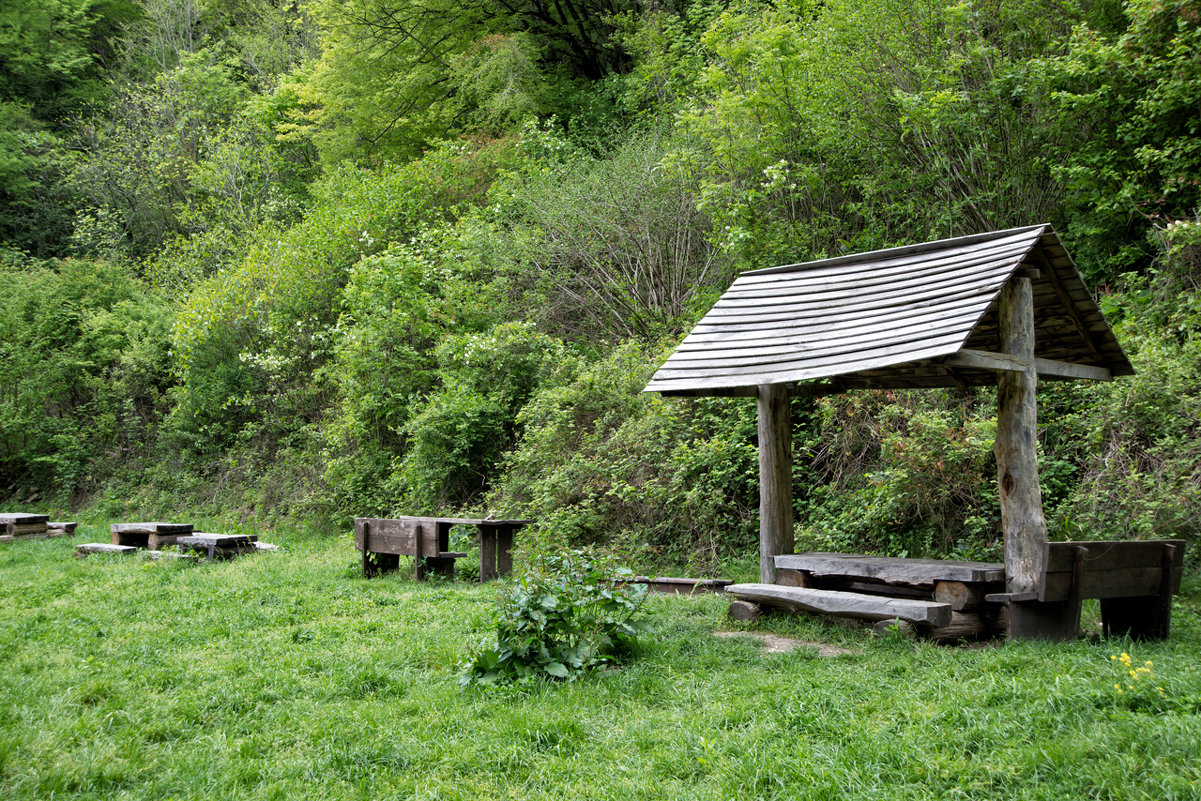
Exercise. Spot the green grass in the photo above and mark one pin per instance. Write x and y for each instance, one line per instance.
(285, 675)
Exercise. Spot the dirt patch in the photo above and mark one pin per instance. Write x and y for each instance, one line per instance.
(775, 644)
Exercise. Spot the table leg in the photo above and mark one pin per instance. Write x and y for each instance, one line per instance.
(487, 553)
(504, 551)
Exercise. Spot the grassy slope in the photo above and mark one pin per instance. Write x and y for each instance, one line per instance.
(285, 675)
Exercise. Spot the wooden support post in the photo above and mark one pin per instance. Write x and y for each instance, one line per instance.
(504, 550)
(487, 553)
(1016, 449)
(775, 478)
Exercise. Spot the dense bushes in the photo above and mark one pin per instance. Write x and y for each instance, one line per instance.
(83, 370)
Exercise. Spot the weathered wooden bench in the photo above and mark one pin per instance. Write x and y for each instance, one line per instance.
(1133, 579)
(18, 524)
(384, 540)
(151, 536)
(427, 539)
(217, 546)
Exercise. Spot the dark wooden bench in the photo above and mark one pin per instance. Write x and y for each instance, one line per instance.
(384, 540)
(1133, 579)
(218, 546)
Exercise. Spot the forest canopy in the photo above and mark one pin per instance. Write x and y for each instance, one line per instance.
(319, 259)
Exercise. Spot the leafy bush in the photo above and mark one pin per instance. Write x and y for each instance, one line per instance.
(675, 481)
(84, 365)
(568, 614)
(458, 438)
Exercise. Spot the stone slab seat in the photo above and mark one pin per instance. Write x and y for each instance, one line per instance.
(845, 604)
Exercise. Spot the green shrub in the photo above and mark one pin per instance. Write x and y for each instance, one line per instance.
(601, 462)
(569, 613)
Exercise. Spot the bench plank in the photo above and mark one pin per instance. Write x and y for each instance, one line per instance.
(845, 604)
(891, 570)
(1119, 555)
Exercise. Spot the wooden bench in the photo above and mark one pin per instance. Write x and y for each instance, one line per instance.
(216, 546)
(18, 524)
(150, 536)
(384, 540)
(427, 539)
(1134, 580)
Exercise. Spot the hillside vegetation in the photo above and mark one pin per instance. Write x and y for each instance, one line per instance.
(326, 258)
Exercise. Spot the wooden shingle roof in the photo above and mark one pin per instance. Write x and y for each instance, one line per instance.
(911, 317)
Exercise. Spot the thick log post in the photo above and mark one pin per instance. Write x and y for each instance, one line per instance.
(775, 478)
(1016, 449)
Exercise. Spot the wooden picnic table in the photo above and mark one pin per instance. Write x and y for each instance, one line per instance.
(427, 540)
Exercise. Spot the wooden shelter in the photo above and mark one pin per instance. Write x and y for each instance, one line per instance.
(1005, 308)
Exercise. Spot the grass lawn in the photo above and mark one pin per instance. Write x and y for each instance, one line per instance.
(286, 676)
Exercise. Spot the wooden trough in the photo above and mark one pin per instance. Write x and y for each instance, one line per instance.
(1004, 309)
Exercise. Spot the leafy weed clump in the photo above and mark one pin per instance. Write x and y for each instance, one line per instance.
(569, 613)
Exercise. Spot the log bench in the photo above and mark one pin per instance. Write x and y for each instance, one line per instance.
(1133, 579)
(151, 536)
(18, 524)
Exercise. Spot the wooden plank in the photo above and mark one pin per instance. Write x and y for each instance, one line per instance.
(151, 528)
(22, 519)
(25, 529)
(1112, 555)
(504, 550)
(818, 315)
(775, 477)
(1133, 582)
(1016, 447)
(984, 283)
(800, 329)
(984, 360)
(892, 570)
(801, 369)
(406, 536)
(758, 351)
(487, 540)
(845, 604)
(873, 277)
(87, 548)
(945, 247)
